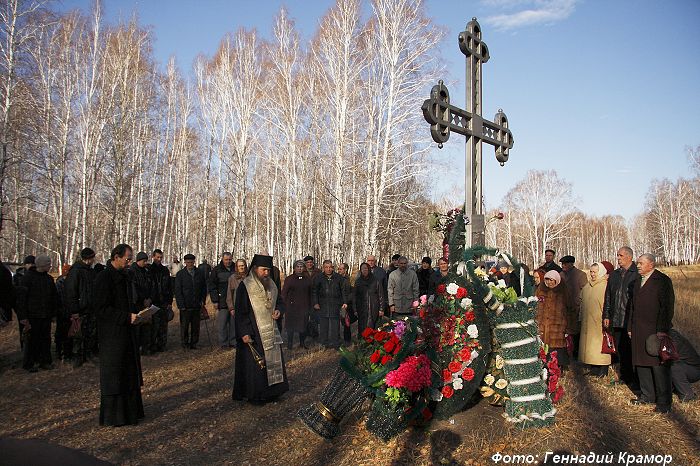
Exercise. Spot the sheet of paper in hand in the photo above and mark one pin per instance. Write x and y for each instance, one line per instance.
(148, 312)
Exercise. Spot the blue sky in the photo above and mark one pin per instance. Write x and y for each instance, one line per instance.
(604, 92)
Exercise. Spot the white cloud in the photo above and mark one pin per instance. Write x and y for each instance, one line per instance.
(535, 12)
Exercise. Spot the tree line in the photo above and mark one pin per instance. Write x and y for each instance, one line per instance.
(540, 213)
(281, 145)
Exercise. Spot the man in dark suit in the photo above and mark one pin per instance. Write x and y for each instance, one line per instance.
(190, 295)
(651, 312)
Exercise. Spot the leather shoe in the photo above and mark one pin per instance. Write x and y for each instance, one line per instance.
(639, 401)
(662, 409)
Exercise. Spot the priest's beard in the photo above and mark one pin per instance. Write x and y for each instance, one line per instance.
(265, 281)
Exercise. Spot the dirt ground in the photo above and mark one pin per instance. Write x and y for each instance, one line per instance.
(192, 420)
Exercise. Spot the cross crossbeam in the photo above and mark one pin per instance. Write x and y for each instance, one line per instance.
(445, 117)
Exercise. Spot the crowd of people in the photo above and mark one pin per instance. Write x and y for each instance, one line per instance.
(121, 312)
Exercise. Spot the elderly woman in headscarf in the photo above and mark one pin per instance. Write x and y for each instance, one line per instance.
(592, 299)
(551, 315)
(296, 293)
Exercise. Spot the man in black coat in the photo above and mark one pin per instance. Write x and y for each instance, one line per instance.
(651, 313)
(162, 296)
(39, 306)
(329, 298)
(142, 290)
(7, 295)
(120, 363)
(218, 290)
(424, 273)
(618, 292)
(190, 295)
(549, 263)
(258, 306)
(27, 264)
(79, 295)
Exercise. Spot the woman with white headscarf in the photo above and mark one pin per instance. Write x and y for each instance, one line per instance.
(592, 299)
(551, 315)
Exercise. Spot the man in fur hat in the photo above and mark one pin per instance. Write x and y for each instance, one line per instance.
(260, 375)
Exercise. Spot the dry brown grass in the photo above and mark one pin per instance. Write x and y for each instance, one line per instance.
(686, 285)
(191, 419)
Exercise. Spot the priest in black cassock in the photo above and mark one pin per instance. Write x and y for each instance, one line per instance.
(259, 370)
(120, 362)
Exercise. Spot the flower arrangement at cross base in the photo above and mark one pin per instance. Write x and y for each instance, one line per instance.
(459, 334)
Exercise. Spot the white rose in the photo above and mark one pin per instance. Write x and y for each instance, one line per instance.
(499, 362)
(501, 384)
(452, 288)
(501, 283)
(457, 383)
(473, 331)
(465, 303)
(489, 379)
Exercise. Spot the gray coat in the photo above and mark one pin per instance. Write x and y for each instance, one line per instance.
(403, 290)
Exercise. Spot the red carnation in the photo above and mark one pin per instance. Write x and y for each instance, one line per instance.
(441, 289)
(367, 332)
(468, 374)
(461, 293)
(376, 356)
(465, 354)
(558, 394)
(469, 316)
(448, 391)
(389, 345)
(381, 336)
(446, 375)
(397, 348)
(543, 355)
(454, 366)
(385, 359)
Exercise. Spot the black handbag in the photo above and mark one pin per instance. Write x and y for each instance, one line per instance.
(311, 328)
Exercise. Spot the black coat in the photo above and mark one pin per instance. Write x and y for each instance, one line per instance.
(368, 297)
(435, 280)
(120, 363)
(7, 293)
(548, 266)
(329, 293)
(617, 295)
(424, 280)
(218, 284)
(40, 296)
(80, 289)
(651, 311)
(61, 310)
(162, 291)
(190, 291)
(141, 284)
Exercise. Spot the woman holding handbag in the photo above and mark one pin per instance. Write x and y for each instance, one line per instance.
(592, 299)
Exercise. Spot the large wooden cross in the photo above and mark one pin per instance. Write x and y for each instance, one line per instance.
(444, 117)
